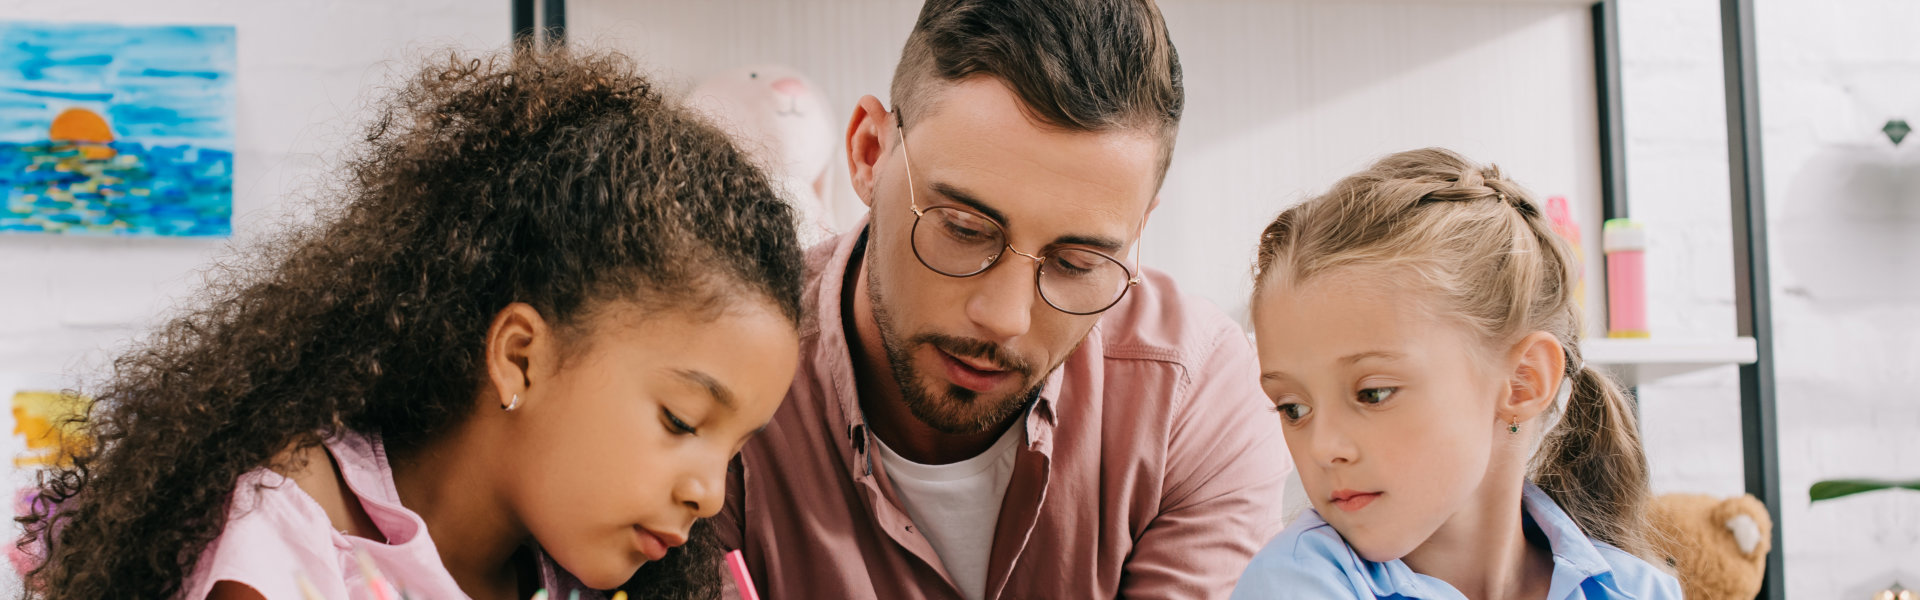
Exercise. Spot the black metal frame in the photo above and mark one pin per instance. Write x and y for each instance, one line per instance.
(1753, 295)
(1613, 132)
(555, 21)
(553, 27)
(523, 22)
(1752, 291)
(1613, 136)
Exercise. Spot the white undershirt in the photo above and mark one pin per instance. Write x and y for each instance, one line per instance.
(957, 505)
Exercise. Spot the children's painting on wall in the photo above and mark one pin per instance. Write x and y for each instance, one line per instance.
(38, 430)
(116, 130)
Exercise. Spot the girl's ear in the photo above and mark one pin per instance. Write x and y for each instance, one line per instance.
(520, 349)
(1539, 363)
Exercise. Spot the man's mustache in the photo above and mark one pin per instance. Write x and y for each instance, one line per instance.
(990, 352)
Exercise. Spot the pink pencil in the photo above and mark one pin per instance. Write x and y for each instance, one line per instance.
(376, 582)
(738, 566)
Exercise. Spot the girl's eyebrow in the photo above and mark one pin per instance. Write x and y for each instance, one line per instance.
(1355, 358)
(1347, 360)
(719, 393)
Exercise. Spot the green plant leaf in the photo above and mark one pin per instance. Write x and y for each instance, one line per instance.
(1835, 488)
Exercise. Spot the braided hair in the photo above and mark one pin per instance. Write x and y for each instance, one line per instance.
(1480, 244)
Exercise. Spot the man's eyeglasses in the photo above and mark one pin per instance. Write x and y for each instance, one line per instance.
(958, 242)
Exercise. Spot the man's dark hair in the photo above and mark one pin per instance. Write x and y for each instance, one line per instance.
(1079, 65)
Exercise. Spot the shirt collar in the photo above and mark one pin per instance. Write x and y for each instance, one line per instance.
(1049, 394)
(832, 354)
(1575, 558)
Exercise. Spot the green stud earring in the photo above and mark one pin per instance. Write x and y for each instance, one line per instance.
(1513, 426)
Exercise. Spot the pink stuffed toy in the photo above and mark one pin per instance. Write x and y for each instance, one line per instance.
(780, 118)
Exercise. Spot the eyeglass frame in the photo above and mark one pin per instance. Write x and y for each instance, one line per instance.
(913, 203)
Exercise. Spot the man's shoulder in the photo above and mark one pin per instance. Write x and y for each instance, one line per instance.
(819, 261)
(1159, 321)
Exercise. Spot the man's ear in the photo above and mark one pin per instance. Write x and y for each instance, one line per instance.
(521, 351)
(1141, 233)
(1151, 204)
(868, 139)
(1537, 363)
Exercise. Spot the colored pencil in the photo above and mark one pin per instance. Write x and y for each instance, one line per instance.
(738, 565)
(307, 591)
(376, 582)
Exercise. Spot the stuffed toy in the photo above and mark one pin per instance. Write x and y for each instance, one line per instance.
(780, 119)
(1716, 546)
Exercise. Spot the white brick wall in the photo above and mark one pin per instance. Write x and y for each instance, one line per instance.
(304, 69)
(1844, 209)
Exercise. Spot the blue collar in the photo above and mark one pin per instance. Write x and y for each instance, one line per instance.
(1576, 560)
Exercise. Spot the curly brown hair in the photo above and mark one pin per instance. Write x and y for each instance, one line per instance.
(561, 179)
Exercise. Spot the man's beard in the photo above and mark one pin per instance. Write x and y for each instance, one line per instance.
(955, 410)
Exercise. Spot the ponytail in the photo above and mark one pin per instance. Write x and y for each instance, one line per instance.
(1592, 464)
(1481, 247)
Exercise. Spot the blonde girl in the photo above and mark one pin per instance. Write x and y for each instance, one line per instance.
(1419, 339)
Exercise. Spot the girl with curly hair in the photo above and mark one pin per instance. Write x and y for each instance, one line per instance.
(520, 350)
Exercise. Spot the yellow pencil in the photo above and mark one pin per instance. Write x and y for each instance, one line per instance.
(307, 590)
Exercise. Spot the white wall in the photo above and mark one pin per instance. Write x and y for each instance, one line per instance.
(1283, 97)
(304, 68)
(1336, 85)
(1844, 214)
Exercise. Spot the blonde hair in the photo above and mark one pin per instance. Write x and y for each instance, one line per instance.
(1480, 247)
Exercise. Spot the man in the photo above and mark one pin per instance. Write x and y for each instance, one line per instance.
(994, 399)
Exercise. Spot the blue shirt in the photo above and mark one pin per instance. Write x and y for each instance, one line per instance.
(1310, 560)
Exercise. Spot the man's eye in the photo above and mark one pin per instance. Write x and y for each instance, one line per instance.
(966, 228)
(1073, 266)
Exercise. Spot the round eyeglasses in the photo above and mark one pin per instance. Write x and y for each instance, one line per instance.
(957, 242)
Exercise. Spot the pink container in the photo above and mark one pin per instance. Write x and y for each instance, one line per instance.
(1561, 218)
(1625, 242)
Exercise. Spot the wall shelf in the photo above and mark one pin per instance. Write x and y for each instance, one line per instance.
(1641, 361)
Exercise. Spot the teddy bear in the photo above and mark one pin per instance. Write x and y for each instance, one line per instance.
(780, 119)
(1717, 547)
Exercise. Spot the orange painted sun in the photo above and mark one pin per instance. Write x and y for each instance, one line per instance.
(86, 128)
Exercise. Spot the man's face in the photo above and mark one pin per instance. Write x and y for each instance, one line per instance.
(967, 352)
